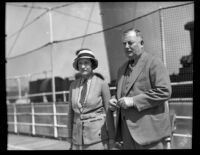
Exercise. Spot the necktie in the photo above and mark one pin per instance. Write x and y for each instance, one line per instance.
(83, 92)
(131, 63)
(129, 67)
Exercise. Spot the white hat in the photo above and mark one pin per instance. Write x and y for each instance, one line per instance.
(85, 53)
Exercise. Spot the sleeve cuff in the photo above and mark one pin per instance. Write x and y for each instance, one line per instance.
(134, 104)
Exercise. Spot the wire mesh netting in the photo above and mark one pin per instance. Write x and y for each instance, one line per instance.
(163, 31)
(177, 38)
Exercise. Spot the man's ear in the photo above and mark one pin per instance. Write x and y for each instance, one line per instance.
(142, 42)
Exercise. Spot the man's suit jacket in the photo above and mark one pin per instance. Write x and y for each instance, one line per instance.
(96, 126)
(149, 85)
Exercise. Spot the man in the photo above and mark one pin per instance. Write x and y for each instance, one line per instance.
(143, 87)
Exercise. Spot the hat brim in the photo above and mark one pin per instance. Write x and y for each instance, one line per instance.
(94, 62)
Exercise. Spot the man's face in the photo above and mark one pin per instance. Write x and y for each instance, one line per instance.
(132, 44)
(85, 66)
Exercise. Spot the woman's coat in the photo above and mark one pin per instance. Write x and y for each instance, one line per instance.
(91, 122)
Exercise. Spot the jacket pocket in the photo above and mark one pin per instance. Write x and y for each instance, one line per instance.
(94, 130)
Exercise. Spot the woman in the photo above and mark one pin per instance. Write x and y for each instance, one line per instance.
(90, 122)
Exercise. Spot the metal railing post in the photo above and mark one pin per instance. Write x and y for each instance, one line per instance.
(15, 117)
(64, 96)
(33, 118)
(53, 80)
(19, 88)
(169, 140)
(162, 37)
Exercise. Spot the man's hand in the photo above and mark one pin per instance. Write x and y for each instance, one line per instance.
(113, 104)
(125, 102)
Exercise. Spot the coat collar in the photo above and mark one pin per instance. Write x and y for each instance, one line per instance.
(135, 73)
(76, 93)
(121, 79)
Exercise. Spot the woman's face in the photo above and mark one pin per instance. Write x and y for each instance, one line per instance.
(85, 66)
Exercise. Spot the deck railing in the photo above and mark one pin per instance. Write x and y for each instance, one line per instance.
(40, 118)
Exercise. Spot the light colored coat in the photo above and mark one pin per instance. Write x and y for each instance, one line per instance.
(98, 127)
(149, 85)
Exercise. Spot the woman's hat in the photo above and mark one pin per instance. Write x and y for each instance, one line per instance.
(85, 53)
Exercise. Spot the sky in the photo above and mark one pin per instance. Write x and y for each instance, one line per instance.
(31, 26)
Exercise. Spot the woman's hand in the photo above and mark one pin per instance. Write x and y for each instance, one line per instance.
(113, 104)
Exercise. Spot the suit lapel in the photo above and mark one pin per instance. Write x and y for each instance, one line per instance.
(121, 79)
(77, 93)
(136, 71)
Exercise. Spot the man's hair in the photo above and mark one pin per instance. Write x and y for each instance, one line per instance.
(138, 33)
